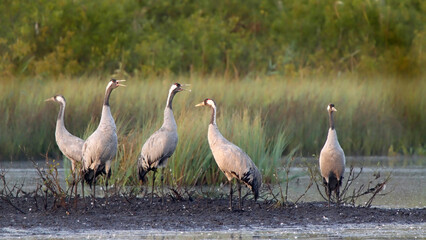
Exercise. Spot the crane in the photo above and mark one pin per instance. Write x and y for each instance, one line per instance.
(161, 145)
(231, 159)
(332, 159)
(69, 144)
(100, 148)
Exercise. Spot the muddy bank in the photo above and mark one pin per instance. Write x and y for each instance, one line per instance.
(206, 214)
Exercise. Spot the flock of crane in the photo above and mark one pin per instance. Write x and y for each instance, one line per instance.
(99, 149)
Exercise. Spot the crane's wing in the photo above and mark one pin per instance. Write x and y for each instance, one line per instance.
(234, 162)
(232, 159)
(159, 146)
(98, 148)
(71, 146)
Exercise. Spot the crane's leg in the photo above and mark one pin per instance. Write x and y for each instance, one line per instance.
(107, 176)
(337, 195)
(152, 190)
(82, 183)
(239, 195)
(328, 193)
(162, 188)
(94, 186)
(73, 179)
(74, 186)
(94, 190)
(141, 183)
(230, 195)
(82, 188)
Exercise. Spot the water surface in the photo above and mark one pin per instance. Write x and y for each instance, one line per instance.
(347, 231)
(405, 190)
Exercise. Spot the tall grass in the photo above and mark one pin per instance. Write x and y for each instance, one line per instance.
(265, 116)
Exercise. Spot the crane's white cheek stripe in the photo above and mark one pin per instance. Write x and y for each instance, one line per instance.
(210, 102)
(109, 84)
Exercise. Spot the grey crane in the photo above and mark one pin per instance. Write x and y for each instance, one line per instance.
(332, 159)
(100, 148)
(161, 145)
(69, 144)
(232, 161)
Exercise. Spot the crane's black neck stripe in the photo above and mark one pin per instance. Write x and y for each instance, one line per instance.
(331, 120)
(213, 118)
(170, 102)
(61, 112)
(107, 94)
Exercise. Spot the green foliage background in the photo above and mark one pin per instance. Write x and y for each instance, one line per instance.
(232, 38)
(271, 65)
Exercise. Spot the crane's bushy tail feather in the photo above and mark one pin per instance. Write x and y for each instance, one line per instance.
(253, 178)
(142, 174)
(333, 182)
(141, 170)
(256, 186)
(89, 174)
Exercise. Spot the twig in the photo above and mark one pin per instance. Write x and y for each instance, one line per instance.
(306, 190)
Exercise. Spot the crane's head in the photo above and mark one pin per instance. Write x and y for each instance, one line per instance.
(56, 98)
(114, 83)
(330, 108)
(207, 102)
(177, 87)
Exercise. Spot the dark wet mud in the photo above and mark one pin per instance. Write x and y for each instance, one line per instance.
(122, 213)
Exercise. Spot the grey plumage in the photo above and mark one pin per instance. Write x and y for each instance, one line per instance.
(332, 159)
(70, 145)
(100, 148)
(231, 160)
(161, 145)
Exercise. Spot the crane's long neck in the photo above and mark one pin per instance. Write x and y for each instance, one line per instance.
(214, 136)
(169, 119)
(106, 117)
(107, 95)
(331, 120)
(170, 99)
(213, 118)
(61, 113)
(332, 135)
(60, 125)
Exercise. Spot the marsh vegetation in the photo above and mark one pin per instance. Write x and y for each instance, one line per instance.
(269, 117)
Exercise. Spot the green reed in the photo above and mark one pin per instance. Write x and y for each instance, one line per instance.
(267, 116)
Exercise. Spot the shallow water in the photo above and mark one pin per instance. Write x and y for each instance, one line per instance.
(352, 231)
(406, 190)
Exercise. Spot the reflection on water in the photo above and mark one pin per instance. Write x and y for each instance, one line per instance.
(364, 231)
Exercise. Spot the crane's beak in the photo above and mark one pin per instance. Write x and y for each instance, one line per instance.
(49, 99)
(333, 109)
(184, 86)
(200, 104)
(120, 85)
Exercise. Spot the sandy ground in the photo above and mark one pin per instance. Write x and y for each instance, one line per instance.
(122, 213)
